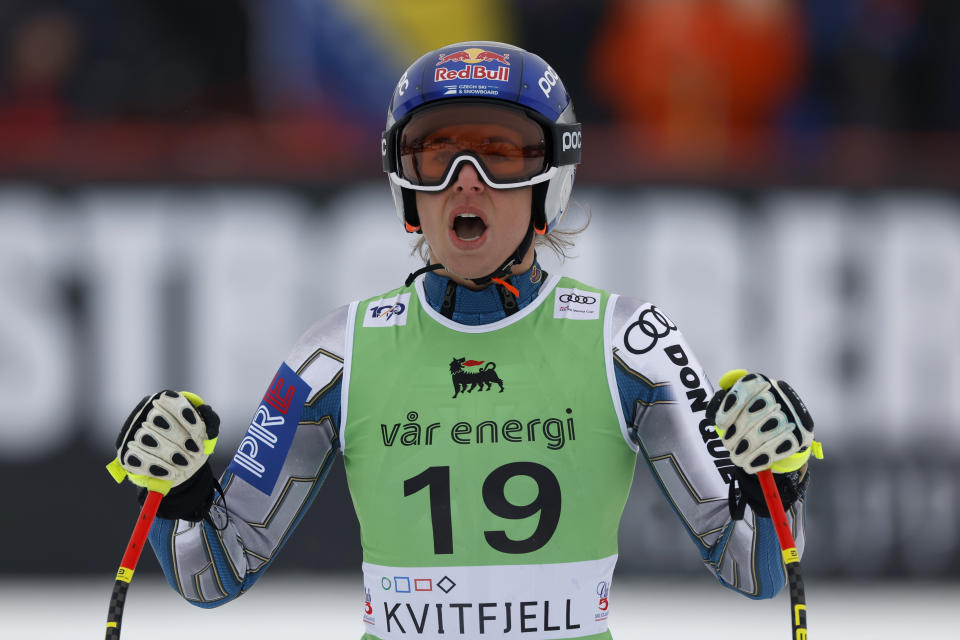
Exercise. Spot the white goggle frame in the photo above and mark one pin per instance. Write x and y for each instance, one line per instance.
(468, 157)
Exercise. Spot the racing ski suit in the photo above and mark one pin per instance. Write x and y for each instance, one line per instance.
(489, 450)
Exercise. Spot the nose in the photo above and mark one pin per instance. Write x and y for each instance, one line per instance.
(468, 179)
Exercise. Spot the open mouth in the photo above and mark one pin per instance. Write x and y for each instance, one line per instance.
(468, 227)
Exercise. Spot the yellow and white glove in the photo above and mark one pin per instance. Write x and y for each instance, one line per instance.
(165, 441)
(762, 423)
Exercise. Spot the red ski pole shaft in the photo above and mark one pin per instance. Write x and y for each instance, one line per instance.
(130, 558)
(788, 549)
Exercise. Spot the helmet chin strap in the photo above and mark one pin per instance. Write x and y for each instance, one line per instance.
(501, 272)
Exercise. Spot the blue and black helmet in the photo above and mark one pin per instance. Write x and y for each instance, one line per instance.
(488, 83)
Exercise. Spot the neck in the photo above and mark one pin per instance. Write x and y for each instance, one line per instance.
(481, 306)
(466, 281)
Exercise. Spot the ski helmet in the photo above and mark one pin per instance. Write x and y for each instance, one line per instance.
(489, 83)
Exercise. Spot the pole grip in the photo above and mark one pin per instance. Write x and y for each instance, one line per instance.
(131, 556)
(139, 537)
(788, 549)
(775, 506)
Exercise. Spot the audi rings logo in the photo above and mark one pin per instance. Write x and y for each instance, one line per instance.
(576, 304)
(578, 299)
(651, 325)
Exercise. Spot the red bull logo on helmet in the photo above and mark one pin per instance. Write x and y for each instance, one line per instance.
(479, 65)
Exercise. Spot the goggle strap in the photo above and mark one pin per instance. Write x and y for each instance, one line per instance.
(420, 271)
(387, 151)
(567, 141)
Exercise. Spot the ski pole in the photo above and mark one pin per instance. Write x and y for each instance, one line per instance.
(788, 549)
(130, 558)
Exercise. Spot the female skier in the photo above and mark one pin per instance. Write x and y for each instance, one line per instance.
(489, 464)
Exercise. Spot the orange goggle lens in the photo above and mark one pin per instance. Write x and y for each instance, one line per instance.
(510, 145)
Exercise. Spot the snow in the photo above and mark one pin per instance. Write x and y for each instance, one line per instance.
(329, 606)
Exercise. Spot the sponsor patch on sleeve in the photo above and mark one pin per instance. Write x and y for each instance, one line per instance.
(387, 312)
(576, 304)
(261, 453)
(649, 326)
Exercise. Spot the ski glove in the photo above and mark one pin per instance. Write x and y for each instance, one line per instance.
(762, 423)
(166, 441)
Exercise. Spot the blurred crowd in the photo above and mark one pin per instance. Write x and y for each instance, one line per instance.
(729, 104)
(672, 83)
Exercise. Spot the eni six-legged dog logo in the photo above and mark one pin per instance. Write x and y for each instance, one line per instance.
(466, 381)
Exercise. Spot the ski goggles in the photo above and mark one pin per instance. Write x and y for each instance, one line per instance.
(507, 146)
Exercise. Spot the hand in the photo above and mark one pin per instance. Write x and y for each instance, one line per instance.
(165, 440)
(762, 423)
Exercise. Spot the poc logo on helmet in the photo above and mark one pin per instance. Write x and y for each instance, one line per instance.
(571, 140)
(402, 84)
(548, 81)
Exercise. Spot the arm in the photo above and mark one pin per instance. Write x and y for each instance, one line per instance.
(214, 560)
(664, 394)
